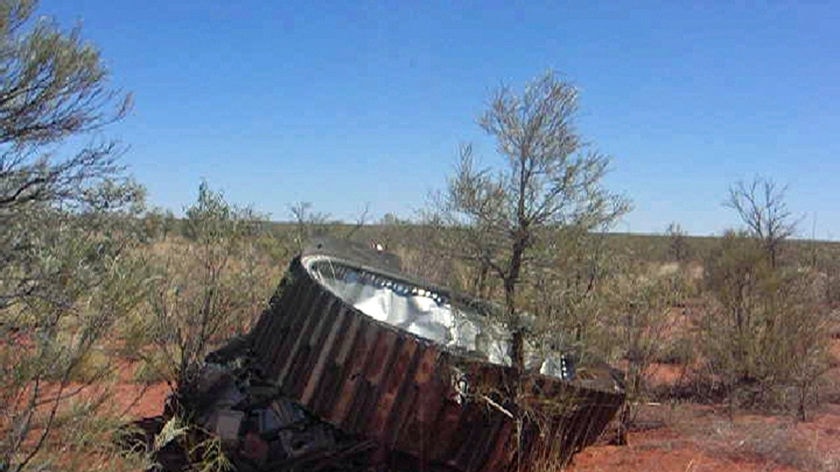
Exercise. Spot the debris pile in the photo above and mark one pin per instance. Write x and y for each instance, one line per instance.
(356, 366)
(262, 430)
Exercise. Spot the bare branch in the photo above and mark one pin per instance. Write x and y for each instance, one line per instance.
(760, 204)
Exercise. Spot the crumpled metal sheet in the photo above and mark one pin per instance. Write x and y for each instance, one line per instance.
(430, 315)
(416, 310)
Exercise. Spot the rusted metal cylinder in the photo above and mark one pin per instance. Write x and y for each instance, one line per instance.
(413, 395)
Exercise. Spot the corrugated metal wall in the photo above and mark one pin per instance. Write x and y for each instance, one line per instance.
(369, 378)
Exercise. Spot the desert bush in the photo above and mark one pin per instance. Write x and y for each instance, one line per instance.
(766, 330)
(67, 229)
(205, 287)
(823, 258)
(678, 246)
(86, 282)
(158, 224)
(765, 334)
(548, 177)
(641, 305)
(565, 291)
(678, 350)
(635, 326)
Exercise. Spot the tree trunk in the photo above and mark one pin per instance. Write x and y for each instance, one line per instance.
(517, 348)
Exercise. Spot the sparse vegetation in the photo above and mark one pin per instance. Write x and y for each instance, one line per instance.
(205, 286)
(90, 279)
(678, 247)
(549, 178)
(67, 231)
(767, 327)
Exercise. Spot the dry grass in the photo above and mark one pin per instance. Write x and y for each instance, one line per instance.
(762, 442)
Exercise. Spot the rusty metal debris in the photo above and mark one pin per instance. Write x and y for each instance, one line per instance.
(355, 364)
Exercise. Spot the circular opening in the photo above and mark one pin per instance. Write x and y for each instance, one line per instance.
(428, 313)
(424, 312)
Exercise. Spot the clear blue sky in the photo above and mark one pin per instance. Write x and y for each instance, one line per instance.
(354, 103)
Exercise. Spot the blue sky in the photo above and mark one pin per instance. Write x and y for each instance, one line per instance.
(345, 104)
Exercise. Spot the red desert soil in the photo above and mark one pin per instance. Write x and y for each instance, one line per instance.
(707, 441)
(701, 439)
(135, 399)
(683, 437)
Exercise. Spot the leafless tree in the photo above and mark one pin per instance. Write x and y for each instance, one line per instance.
(761, 206)
(308, 223)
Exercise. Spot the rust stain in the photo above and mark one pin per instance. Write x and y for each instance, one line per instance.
(369, 378)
